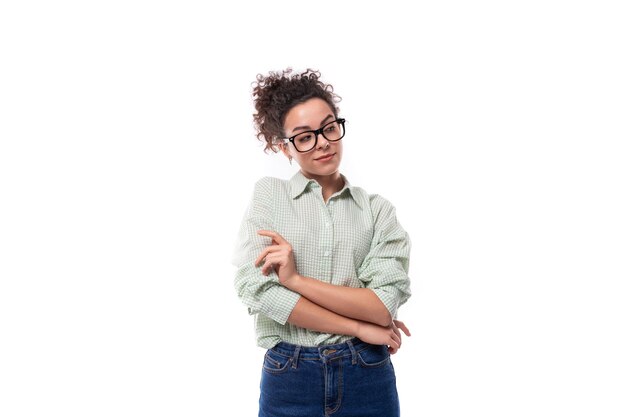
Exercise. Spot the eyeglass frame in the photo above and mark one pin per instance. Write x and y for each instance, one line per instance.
(317, 132)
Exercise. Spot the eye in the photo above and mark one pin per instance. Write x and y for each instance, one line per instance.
(304, 138)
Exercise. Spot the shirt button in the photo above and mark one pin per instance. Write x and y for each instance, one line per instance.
(326, 253)
(327, 224)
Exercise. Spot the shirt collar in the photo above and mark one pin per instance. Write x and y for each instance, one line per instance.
(299, 184)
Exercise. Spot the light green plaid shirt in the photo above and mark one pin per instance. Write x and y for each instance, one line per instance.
(352, 240)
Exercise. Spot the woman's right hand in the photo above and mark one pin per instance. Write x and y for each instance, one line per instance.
(278, 256)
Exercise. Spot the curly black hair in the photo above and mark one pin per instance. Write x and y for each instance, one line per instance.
(275, 94)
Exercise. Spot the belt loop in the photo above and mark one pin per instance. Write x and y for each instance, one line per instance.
(351, 346)
(296, 354)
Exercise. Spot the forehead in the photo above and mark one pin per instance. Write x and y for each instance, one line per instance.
(310, 113)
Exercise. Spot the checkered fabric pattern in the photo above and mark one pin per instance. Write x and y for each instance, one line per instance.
(353, 239)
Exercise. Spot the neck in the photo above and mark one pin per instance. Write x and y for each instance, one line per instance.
(330, 183)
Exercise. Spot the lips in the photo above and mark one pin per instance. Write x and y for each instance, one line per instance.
(325, 157)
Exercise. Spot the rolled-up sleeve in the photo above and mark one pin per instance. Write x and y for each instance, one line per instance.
(385, 268)
(261, 294)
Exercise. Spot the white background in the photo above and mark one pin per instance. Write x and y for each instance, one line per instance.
(128, 156)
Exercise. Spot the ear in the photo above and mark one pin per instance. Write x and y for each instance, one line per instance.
(284, 147)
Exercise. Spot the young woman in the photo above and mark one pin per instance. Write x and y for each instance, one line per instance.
(321, 263)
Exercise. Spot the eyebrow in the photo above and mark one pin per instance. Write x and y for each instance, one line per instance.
(330, 116)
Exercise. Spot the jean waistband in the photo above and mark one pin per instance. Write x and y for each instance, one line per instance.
(324, 352)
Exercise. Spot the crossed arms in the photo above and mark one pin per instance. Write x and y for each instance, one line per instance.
(267, 280)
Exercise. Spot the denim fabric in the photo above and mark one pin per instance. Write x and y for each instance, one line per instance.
(346, 379)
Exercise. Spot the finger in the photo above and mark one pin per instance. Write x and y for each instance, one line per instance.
(397, 339)
(278, 238)
(393, 344)
(397, 333)
(267, 267)
(395, 329)
(260, 258)
(402, 326)
(392, 351)
(264, 254)
(271, 262)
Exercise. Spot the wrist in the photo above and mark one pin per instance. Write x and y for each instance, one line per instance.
(295, 283)
(356, 328)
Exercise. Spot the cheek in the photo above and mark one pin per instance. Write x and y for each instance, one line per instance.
(306, 159)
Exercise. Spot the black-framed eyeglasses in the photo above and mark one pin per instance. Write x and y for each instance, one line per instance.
(305, 141)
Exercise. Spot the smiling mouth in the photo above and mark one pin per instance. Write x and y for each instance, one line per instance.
(325, 157)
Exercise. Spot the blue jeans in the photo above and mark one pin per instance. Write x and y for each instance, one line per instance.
(347, 379)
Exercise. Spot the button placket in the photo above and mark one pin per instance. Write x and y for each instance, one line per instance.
(327, 244)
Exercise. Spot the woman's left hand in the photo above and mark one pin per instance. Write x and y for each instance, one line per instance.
(396, 326)
(278, 256)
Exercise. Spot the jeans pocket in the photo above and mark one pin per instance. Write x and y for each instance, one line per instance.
(373, 356)
(275, 362)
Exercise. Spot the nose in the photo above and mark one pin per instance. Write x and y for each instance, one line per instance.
(322, 142)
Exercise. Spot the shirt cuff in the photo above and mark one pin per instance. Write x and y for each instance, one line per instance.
(277, 303)
(389, 298)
